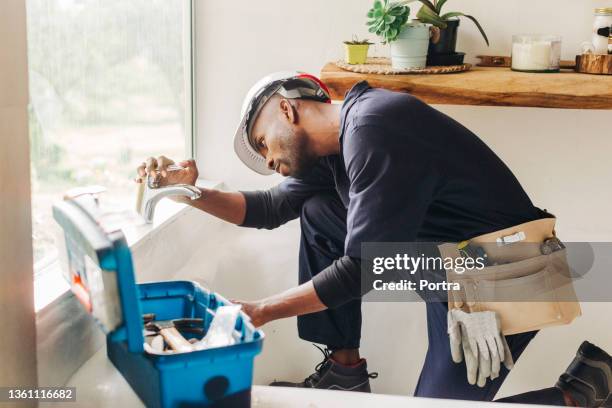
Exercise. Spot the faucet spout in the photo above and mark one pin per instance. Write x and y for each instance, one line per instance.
(152, 196)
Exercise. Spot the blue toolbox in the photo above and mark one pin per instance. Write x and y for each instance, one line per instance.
(100, 271)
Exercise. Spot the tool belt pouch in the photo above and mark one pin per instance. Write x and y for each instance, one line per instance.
(527, 287)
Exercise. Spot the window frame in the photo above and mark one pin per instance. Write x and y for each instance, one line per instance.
(53, 266)
(56, 309)
(61, 316)
(191, 142)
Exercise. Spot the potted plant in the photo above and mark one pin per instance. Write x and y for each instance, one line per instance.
(356, 50)
(408, 40)
(442, 48)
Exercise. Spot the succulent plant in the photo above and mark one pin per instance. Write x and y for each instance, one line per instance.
(386, 19)
(357, 41)
(430, 12)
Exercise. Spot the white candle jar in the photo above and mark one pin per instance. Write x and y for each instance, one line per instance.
(536, 53)
(601, 25)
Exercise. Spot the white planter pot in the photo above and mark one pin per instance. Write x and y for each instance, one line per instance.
(409, 50)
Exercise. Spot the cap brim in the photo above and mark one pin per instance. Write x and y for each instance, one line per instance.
(247, 154)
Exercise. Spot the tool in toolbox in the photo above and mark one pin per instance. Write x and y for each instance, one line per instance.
(171, 330)
(171, 335)
(156, 343)
(98, 263)
(194, 326)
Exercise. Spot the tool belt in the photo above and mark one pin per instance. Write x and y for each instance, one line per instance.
(527, 284)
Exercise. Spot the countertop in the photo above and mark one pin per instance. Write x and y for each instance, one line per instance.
(99, 384)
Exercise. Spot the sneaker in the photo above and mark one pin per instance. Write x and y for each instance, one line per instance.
(330, 375)
(588, 379)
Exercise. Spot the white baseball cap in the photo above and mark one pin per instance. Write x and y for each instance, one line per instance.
(290, 85)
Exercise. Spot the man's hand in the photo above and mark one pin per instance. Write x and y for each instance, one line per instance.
(158, 168)
(255, 311)
(293, 302)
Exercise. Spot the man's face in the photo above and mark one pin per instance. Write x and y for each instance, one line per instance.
(277, 136)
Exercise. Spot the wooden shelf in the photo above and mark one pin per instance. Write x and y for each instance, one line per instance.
(486, 87)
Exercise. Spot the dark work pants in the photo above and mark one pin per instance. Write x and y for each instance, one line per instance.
(323, 224)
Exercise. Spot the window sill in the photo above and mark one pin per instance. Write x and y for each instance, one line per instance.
(49, 283)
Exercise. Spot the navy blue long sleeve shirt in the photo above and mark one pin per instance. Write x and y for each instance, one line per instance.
(406, 172)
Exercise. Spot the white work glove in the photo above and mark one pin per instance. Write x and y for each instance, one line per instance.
(477, 337)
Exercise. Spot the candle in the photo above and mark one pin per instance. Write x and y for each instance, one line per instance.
(536, 53)
(601, 24)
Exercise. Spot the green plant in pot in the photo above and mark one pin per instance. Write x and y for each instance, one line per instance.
(357, 50)
(408, 39)
(442, 47)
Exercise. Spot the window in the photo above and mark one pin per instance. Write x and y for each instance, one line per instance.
(110, 84)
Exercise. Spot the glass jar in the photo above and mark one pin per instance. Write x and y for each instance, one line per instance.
(601, 30)
(536, 53)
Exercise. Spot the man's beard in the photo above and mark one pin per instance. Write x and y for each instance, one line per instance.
(299, 159)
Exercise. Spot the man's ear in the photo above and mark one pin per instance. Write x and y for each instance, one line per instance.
(288, 110)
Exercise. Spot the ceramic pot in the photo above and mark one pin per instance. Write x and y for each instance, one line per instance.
(356, 53)
(409, 50)
(448, 39)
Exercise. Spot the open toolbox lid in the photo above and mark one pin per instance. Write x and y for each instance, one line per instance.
(99, 269)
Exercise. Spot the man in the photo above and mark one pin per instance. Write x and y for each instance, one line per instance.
(381, 167)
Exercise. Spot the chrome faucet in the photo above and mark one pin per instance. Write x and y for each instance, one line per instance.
(153, 194)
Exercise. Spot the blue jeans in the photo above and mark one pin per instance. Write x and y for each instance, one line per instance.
(323, 225)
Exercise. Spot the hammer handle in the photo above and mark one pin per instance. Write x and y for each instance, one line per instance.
(175, 340)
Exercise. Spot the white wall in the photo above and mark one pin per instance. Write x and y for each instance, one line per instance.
(18, 338)
(560, 156)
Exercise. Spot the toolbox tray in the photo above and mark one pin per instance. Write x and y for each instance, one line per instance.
(99, 269)
(216, 375)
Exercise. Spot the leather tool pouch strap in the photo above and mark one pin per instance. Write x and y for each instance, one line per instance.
(528, 289)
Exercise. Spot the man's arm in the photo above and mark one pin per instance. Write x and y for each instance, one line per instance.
(229, 206)
(256, 209)
(330, 291)
(267, 209)
(296, 301)
(271, 208)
